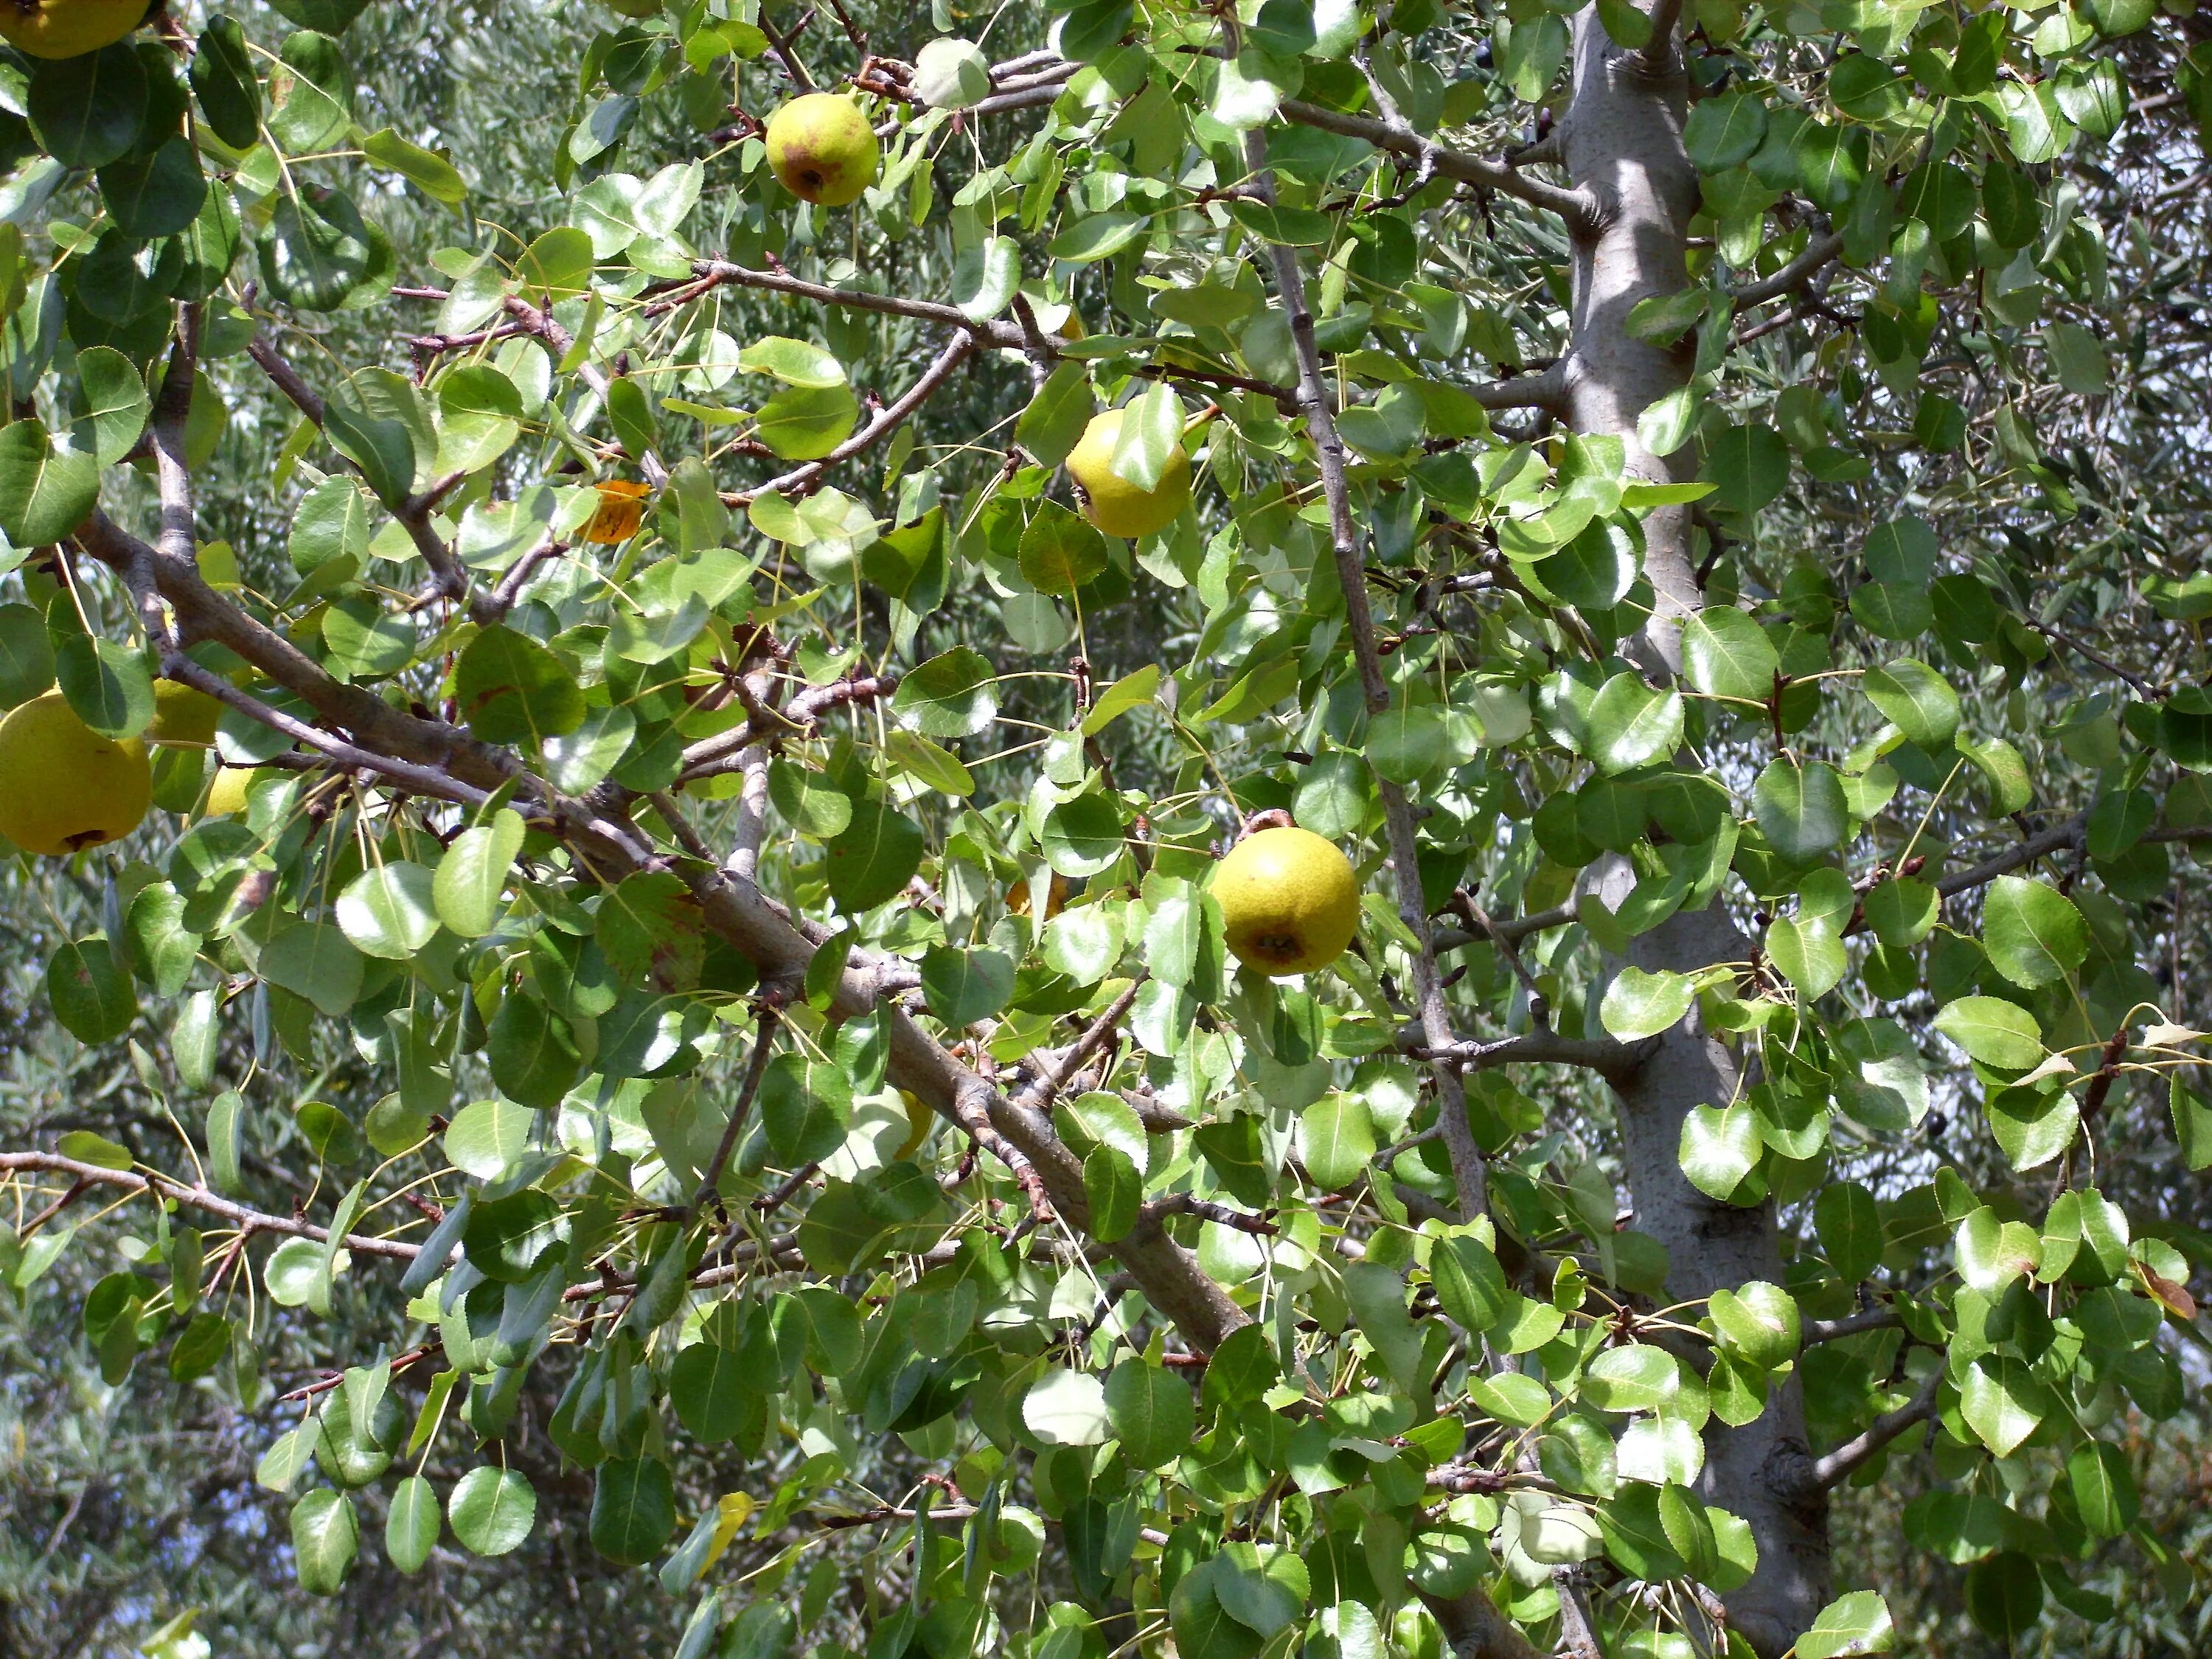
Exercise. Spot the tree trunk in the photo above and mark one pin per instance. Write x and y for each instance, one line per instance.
(1621, 141)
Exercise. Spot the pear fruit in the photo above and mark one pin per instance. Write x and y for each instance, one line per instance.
(63, 786)
(184, 716)
(822, 148)
(226, 794)
(1110, 500)
(68, 28)
(1290, 900)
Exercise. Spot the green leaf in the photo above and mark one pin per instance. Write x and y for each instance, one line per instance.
(713, 1391)
(86, 1147)
(805, 423)
(985, 275)
(1638, 1004)
(91, 993)
(325, 1537)
(156, 193)
(1336, 1138)
(27, 656)
(633, 1510)
(1254, 1598)
(471, 882)
(1628, 725)
(317, 251)
(226, 1134)
(1066, 1408)
(954, 695)
(1758, 1320)
(1725, 131)
(1469, 1284)
(1151, 432)
(314, 960)
(1849, 1224)
(558, 265)
(963, 986)
(1201, 1625)
(486, 1136)
(2033, 933)
(1098, 237)
(1152, 1413)
(874, 858)
(1052, 423)
(2002, 1402)
(2003, 773)
(1809, 952)
(225, 84)
(106, 683)
(1850, 1625)
(390, 911)
(116, 404)
(512, 689)
(1061, 551)
(2104, 1488)
(1284, 226)
(479, 418)
(1637, 1378)
(805, 1110)
(1750, 465)
(2192, 1125)
(1405, 742)
(1719, 1147)
(794, 362)
(411, 1524)
(428, 171)
(1915, 699)
(1114, 1189)
(492, 1511)
(1726, 655)
(89, 109)
(1901, 911)
(1800, 808)
(1993, 1032)
(45, 490)
(1083, 835)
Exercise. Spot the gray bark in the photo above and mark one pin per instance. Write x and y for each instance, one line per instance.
(1621, 141)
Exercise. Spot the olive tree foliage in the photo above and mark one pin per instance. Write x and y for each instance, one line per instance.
(1697, 501)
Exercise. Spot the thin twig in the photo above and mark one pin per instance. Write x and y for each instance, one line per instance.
(763, 1050)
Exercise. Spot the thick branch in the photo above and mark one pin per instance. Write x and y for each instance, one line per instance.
(199, 1198)
(1053, 1079)
(1815, 254)
(1817, 1331)
(720, 273)
(1839, 1465)
(888, 420)
(1577, 207)
(1470, 1168)
(1607, 1057)
(1545, 390)
(449, 579)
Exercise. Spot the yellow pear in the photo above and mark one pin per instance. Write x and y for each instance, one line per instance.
(226, 794)
(822, 148)
(920, 1121)
(68, 28)
(1289, 899)
(184, 716)
(63, 786)
(1110, 500)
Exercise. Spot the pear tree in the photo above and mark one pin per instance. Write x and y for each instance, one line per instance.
(681, 939)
